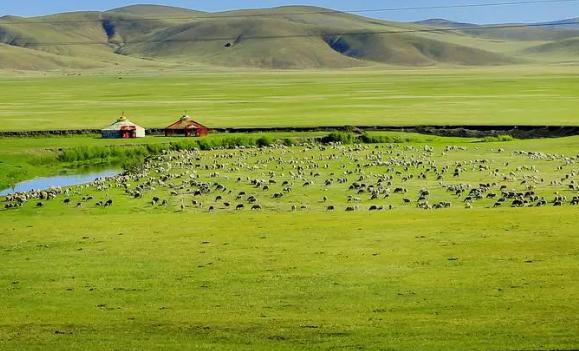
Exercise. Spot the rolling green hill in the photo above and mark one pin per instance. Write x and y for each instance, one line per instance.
(155, 11)
(562, 48)
(294, 37)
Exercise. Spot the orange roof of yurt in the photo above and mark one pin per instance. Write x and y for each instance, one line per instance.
(185, 122)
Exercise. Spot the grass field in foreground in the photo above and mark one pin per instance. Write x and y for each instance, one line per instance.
(451, 280)
(524, 95)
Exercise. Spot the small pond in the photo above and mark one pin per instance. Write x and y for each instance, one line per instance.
(79, 176)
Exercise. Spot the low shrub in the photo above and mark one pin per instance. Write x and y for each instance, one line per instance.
(288, 142)
(340, 137)
(498, 138)
(264, 141)
(383, 139)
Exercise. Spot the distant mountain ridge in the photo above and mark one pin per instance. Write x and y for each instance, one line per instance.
(441, 22)
(155, 11)
(290, 37)
(571, 23)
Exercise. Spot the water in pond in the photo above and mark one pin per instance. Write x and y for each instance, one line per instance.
(60, 180)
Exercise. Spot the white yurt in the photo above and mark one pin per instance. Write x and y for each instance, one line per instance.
(123, 129)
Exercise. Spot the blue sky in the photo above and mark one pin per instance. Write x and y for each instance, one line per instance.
(502, 14)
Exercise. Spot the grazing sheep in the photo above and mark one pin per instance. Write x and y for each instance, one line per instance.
(343, 170)
(518, 203)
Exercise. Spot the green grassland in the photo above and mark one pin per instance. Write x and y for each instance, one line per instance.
(191, 272)
(139, 275)
(526, 95)
(136, 276)
(546, 167)
(82, 69)
(430, 281)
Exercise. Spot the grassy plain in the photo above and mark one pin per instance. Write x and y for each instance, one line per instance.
(133, 277)
(137, 276)
(480, 280)
(528, 95)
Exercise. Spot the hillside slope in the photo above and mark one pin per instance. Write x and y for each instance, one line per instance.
(562, 48)
(291, 37)
(17, 58)
(147, 10)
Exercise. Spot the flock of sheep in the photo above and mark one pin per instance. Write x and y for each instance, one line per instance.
(331, 178)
